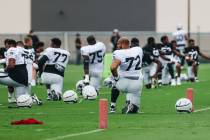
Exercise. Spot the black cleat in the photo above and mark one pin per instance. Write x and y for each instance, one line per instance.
(130, 108)
(112, 109)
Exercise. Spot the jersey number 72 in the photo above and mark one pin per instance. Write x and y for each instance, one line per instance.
(131, 60)
(60, 55)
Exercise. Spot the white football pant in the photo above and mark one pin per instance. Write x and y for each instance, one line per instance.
(148, 72)
(95, 80)
(54, 80)
(6, 80)
(190, 73)
(132, 88)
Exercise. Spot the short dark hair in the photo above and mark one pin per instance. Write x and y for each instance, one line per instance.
(173, 41)
(134, 42)
(38, 45)
(27, 38)
(12, 42)
(163, 38)
(191, 40)
(150, 40)
(56, 42)
(91, 40)
(6, 41)
(20, 43)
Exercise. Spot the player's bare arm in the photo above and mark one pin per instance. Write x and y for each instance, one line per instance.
(11, 64)
(114, 66)
(204, 56)
(86, 64)
(158, 67)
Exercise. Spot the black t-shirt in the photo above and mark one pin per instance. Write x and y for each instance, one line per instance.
(147, 58)
(114, 40)
(152, 49)
(78, 43)
(2, 52)
(167, 49)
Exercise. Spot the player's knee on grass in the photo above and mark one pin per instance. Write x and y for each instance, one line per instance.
(148, 86)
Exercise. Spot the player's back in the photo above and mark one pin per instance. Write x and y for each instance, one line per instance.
(57, 56)
(96, 54)
(19, 73)
(57, 60)
(131, 61)
(179, 35)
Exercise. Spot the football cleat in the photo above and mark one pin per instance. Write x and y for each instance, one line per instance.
(55, 96)
(49, 96)
(130, 108)
(36, 100)
(11, 100)
(112, 109)
(173, 82)
(178, 81)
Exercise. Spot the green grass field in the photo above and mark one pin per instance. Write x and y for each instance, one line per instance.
(158, 121)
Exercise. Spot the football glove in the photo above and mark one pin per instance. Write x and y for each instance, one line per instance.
(108, 82)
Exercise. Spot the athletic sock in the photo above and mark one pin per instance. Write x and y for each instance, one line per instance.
(114, 95)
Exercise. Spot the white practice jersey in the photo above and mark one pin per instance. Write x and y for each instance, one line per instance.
(17, 54)
(96, 55)
(131, 61)
(57, 56)
(30, 58)
(179, 35)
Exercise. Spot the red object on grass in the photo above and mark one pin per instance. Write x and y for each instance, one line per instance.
(26, 122)
(103, 113)
(190, 96)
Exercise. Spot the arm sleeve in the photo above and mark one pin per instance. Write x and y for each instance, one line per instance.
(41, 62)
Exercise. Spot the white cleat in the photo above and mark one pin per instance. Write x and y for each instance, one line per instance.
(173, 82)
(33, 83)
(36, 100)
(11, 100)
(196, 79)
(178, 82)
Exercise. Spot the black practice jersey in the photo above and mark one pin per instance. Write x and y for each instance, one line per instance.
(167, 49)
(147, 59)
(193, 53)
(152, 49)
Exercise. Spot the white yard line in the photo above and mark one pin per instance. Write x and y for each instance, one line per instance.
(202, 109)
(75, 134)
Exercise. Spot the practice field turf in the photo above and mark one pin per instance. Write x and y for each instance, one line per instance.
(158, 120)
